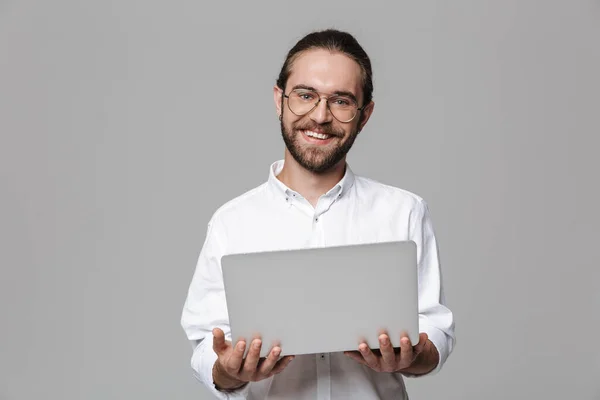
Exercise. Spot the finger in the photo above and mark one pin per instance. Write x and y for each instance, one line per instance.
(387, 353)
(406, 352)
(281, 365)
(251, 361)
(220, 346)
(269, 363)
(371, 359)
(234, 362)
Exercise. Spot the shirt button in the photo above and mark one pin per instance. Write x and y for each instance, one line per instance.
(317, 219)
(322, 355)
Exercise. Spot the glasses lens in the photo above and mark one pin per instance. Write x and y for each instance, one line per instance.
(302, 101)
(342, 107)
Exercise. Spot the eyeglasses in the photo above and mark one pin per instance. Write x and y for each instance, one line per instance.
(303, 101)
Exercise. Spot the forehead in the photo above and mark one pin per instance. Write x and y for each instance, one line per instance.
(327, 72)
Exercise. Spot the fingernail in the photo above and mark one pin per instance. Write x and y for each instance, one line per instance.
(257, 344)
(240, 346)
(385, 341)
(276, 352)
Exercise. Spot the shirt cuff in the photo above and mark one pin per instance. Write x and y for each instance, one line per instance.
(440, 341)
(203, 360)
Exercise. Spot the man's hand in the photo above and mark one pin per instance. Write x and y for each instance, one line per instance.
(232, 370)
(418, 359)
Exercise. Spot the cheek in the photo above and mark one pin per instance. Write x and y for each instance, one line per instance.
(289, 124)
(348, 130)
(289, 116)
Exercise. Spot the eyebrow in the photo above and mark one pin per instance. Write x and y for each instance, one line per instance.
(337, 92)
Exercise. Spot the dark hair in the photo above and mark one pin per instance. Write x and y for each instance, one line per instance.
(332, 40)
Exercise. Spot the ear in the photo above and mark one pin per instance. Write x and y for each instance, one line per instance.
(365, 115)
(277, 97)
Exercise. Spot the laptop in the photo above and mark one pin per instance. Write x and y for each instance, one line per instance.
(324, 299)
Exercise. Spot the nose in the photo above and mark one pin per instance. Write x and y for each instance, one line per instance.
(321, 113)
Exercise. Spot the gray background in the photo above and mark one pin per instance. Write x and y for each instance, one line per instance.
(124, 124)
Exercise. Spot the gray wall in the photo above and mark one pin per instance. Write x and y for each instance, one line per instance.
(122, 131)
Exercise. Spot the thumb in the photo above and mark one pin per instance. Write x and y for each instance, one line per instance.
(423, 338)
(219, 344)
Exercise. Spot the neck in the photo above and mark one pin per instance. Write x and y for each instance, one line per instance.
(310, 185)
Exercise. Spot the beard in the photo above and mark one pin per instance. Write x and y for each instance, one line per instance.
(314, 158)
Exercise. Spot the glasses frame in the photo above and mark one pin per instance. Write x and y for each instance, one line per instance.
(358, 109)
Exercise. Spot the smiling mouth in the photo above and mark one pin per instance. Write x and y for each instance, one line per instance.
(317, 135)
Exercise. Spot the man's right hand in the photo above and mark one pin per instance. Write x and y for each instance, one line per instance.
(232, 370)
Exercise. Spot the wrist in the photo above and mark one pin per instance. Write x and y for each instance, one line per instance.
(223, 381)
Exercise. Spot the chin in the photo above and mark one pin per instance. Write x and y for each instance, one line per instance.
(318, 165)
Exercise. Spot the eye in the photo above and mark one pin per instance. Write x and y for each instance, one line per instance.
(306, 96)
(341, 102)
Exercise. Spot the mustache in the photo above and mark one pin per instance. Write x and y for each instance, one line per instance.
(326, 129)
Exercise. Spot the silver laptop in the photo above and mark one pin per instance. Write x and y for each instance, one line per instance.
(325, 299)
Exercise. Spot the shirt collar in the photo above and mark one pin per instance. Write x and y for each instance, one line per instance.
(280, 189)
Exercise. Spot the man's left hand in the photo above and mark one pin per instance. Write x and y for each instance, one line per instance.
(386, 359)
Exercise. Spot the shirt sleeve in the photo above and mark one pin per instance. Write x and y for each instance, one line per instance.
(204, 309)
(435, 318)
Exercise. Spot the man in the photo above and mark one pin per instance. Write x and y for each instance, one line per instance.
(323, 98)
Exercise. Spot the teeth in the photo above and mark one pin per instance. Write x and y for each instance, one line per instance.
(316, 135)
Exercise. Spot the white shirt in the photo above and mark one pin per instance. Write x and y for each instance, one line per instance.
(273, 217)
